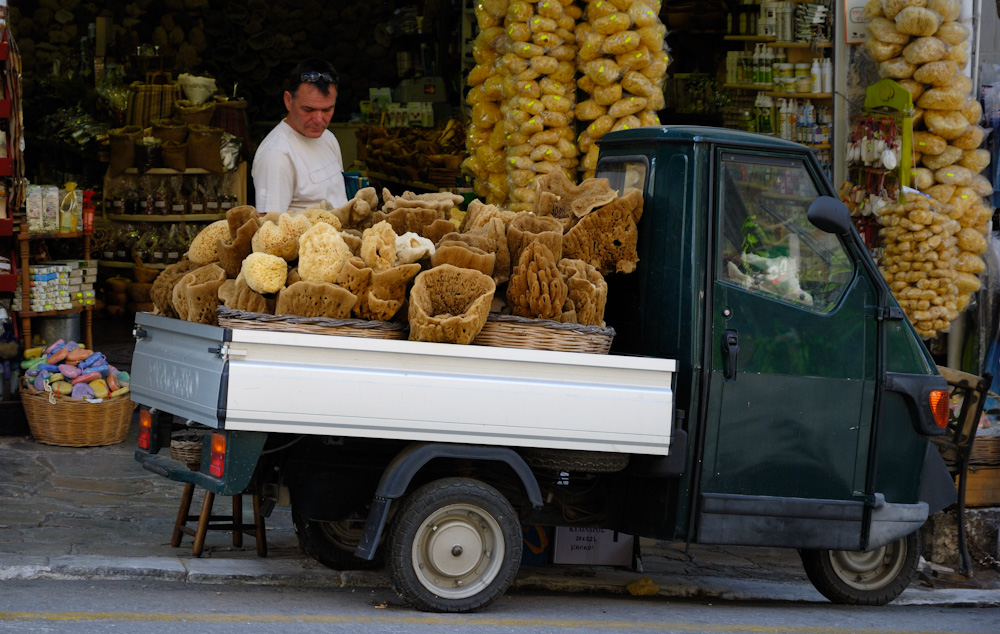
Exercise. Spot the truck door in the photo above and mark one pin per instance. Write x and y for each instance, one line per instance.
(791, 374)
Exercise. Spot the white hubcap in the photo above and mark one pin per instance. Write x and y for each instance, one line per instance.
(458, 551)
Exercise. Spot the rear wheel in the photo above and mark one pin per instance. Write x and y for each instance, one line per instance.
(856, 578)
(333, 543)
(455, 546)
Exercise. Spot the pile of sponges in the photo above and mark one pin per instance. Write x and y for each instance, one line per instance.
(67, 368)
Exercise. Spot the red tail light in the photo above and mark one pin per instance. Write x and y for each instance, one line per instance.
(145, 429)
(217, 463)
(939, 401)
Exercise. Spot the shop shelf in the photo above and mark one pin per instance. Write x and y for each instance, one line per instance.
(166, 171)
(112, 264)
(8, 282)
(764, 88)
(800, 44)
(749, 38)
(4, 108)
(23, 235)
(167, 218)
(6, 167)
(4, 49)
(49, 313)
(6, 226)
(801, 95)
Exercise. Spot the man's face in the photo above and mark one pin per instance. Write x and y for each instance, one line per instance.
(309, 111)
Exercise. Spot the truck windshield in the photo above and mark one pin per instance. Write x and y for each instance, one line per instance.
(768, 244)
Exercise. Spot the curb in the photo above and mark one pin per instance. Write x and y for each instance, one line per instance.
(567, 579)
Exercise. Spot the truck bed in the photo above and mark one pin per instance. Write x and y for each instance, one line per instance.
(330, 385)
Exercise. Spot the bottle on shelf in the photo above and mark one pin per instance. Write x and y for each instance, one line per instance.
(173, 247)
(126, 242)
(108, 250)
(816, 76)
(827, 70)
(161, 199)
(196, 202)
(226, 202)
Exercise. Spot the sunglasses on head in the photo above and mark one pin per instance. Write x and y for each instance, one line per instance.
(312, 78)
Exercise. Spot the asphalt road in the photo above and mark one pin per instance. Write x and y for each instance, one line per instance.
(167, 607)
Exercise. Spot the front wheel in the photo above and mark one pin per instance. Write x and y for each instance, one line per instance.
(856, 578)
(455, 546)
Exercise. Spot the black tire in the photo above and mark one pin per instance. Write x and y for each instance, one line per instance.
(856, 578)
(454, 546)
(333, 543)
(580, 461)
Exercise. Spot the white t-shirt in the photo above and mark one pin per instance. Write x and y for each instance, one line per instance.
(294, 172)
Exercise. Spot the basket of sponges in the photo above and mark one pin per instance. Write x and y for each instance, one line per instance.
(73, 398)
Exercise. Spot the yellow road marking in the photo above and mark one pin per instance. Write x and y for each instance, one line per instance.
(457, 620)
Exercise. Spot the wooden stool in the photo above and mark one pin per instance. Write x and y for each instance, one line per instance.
(208, 522)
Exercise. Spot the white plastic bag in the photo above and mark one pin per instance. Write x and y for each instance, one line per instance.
(198, 90)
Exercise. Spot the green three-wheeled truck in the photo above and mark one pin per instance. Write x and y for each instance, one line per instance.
(764, 388)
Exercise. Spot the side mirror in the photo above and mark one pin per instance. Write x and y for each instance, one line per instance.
(830, 215)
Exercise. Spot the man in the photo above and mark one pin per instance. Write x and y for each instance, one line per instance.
(299, 164)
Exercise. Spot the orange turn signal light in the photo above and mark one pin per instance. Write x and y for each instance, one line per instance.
(145, 429)
(939, 401)
(217, 462)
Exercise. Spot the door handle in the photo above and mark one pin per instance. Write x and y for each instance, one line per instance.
(730, 351)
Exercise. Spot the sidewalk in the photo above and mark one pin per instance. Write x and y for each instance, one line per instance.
(94, 513)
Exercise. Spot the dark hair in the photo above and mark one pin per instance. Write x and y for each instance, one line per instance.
(316, 72)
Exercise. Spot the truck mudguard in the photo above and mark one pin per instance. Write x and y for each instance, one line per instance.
(937, 488)
(397, 476)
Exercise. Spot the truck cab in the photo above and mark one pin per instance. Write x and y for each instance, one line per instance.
(764, 388)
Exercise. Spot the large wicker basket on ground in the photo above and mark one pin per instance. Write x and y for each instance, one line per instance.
(68, 422)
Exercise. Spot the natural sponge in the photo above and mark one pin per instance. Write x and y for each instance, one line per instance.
(196, 295)
(378, 246)
(536, 287)
(309, 299)
(449, 304)
(265, 273)
(464, 256)
(586, 290)
(556, 196)
(163, 286)
(322, 253)
(492, 238)
(234, 250)
(204, 248)
(526, 228)
(411, 247)
(380, 295)
(245, 298)
(608, 237)
(281, 238)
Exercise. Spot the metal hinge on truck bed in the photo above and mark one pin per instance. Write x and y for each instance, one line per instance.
(224, 352)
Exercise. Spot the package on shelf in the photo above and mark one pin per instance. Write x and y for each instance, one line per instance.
(5, 265)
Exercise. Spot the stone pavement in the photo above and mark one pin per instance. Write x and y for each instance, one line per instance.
(88, 513)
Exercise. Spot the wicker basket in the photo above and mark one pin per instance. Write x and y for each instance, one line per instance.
(69, 422)
(985, 450)
(185, 446)
(241, 319)
(510, 331)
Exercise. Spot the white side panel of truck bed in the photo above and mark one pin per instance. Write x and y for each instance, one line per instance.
(374, 388)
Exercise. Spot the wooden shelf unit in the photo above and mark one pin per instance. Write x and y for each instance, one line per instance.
(24, 240)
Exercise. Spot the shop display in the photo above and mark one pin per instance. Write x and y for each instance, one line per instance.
(67, 368)
(942, 257)
(530, 61)
(358, 262)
